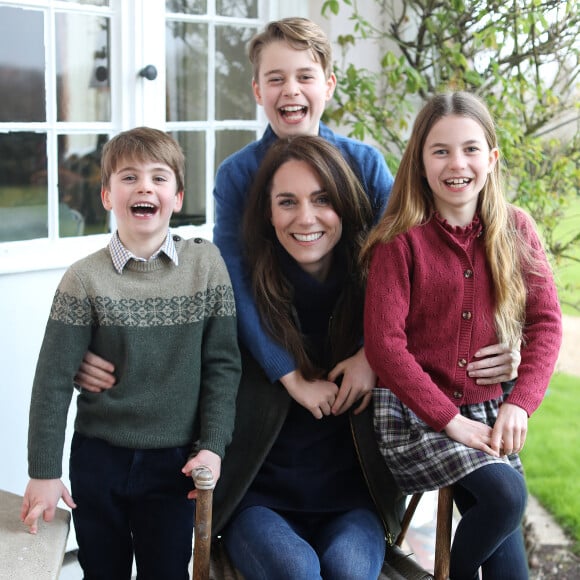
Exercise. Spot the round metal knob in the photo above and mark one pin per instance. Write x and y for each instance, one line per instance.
(149, 72)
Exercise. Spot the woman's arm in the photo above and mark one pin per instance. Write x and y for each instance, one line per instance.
(496, 364)
(95, 373)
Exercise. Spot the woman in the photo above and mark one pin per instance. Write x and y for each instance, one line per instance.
(298, 501)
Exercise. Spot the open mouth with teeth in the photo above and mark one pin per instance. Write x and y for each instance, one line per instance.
(307, 237)
(458, 182)
(293, 112)
(143, 209)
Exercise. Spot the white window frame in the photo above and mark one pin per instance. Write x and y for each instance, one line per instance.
(131, 106)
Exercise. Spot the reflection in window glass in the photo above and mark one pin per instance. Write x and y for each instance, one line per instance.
(186, 71)
(228, 142)
(79, 185)
(234, 97)
(23, 187)
(92, 2)
(193, 210)
(83, 80)
(237, 8)
(22, 92)
(186, 6)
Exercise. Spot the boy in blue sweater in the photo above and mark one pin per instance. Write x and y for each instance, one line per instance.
(161, 309)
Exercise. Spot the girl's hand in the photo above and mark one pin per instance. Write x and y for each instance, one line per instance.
(206, 458)
(358, 381)
(95, 373)
(471, 433)
(317, 396)
(496, 364)
(40, 499)
(510, 430)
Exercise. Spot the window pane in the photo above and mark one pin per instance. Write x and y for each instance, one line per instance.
(186, 71)
(193, 211)
(237, 8)
(22, 92)
(186, 6)
(82, 52)
(228, 142)
(23, 187)
(79, 185)
(234, 97)
(92, 2)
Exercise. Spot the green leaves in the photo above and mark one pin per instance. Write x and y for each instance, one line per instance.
(522, 57)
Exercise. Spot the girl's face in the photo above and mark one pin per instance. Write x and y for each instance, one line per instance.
(303, 218)
(457, 161)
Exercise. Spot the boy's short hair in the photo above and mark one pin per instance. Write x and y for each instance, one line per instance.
(300, 34)
(143, 144)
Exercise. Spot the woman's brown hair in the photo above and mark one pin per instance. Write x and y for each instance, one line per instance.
(272, 291)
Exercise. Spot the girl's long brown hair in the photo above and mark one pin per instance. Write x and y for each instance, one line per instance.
(273, 292)
(411, 204)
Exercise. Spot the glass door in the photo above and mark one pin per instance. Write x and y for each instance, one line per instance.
(73, 73)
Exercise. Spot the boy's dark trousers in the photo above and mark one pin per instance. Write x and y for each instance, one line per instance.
(131, 501)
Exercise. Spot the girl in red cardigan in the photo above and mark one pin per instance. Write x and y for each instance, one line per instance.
(453, 267)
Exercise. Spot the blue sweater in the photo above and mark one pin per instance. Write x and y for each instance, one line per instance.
(232, 184)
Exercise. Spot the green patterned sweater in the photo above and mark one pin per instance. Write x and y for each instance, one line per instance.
(171, 333)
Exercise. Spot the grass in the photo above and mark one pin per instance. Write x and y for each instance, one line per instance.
(569, 274)
(551, 456)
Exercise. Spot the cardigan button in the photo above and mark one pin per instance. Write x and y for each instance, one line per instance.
(466, 315)
(468, 273)
(462, 362)
(457, 395)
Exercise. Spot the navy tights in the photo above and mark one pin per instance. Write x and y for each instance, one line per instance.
(492, 502)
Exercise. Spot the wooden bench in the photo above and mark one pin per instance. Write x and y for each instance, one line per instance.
(25, 556)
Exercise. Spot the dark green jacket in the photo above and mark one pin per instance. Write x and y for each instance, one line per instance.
(261, 410)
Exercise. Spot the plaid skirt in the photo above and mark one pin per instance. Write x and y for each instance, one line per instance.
(422, 459)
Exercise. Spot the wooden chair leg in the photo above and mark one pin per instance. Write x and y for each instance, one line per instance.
(443, 533)
(407, 517)
(204, 483)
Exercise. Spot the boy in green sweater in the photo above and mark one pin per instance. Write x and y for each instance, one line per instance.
(161, 308)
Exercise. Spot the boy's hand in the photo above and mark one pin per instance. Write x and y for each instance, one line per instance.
(316, 396)
(206, 458)
(510, 429)
(496, 364)
(95, 373)
(358, 381)
(40, 499)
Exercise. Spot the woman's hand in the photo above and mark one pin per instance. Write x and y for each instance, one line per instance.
(317, 396)
(496, 364)
(358, 381)
(95, 373)
(471, 433)
(510, 429)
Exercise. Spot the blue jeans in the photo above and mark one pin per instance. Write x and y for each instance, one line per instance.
(264, 544)
(492, 501)
(131, 502)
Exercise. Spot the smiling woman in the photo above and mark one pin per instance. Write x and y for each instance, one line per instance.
(304, 220)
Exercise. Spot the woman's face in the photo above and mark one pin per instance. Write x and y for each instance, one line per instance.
(305, 223)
